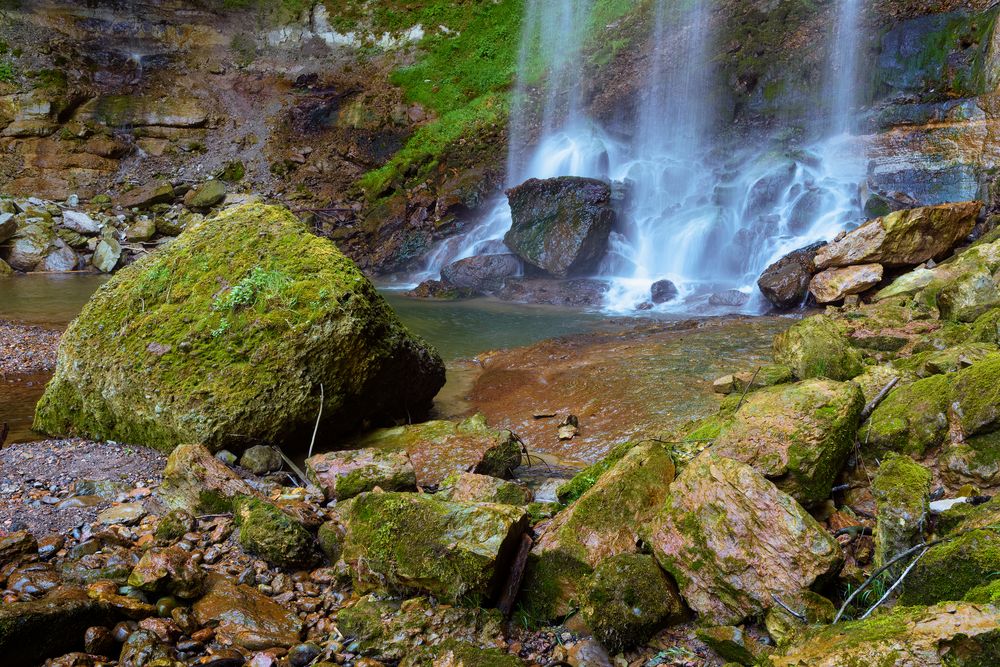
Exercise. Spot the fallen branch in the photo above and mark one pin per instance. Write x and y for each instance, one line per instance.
(513, 584)
(895, 583)
(801, 617)
(872, 404)
(747, 388)
(322, 397)
(898, 557)
(291, 464)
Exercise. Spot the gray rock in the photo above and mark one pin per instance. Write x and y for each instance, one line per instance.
(732, 298)
(80, 222)
(662, 291)
(107, 254)
(786, 282)
(261, 459)
(483, 273)
(8, 226)
(59, 258)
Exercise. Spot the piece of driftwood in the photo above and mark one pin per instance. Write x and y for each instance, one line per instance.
(513, 584)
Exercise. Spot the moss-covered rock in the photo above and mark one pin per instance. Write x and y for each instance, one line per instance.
(901, 488)
(226, 336)
(986, 327)
(945, 635)
(974, 461)
(628, 599)
(468, 487)
(797, 435)
(731, 540)
(950, 570)
(586, 478)
(206, 195)
(198, 483)
(912, 419)
(731, 644)
(439, 448)
(783, 626)
(330, 539)
(345, 474)
(461, 654)
(173, 525)
(272, 534)
(606, 521)
(168, 571)
(817, 347)
(402, 542)
(948, 360)
(976, 394)
(261, 459)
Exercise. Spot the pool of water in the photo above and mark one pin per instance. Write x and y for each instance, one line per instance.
(458, 329)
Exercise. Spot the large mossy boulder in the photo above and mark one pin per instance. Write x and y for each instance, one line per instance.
(948, 571)
(227, 336)
(628, 599)
(607, 520)
(945, 635)
(439, 448)
(733, 541)
(413, 543)
(901, 488)
(903, 238)
(797, 435)
(560, 225)
(817, 347)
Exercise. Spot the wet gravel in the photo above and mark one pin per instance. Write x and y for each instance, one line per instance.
(27, 349)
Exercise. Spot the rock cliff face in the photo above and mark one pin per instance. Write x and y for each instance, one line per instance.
(391, 125)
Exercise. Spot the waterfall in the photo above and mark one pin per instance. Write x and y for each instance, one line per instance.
(709, 221)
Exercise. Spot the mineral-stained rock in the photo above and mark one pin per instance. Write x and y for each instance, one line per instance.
(796, 435)
(903, 238)
(731, 540)
(567, 492)
(148, 195)
(439, 448)
(560, 225)
(834, 284)
(605, 521)
(32, 631)
(144, 648)
(481, 274)
(169, 571)
(786, 282)
(199, 483)
(347, 473)
(817, 347)
(406, 542)
(628, 599)
(945, 635)
(901, 488)
(272, 534)
(245, 617)
(253, 315)
(468, 487)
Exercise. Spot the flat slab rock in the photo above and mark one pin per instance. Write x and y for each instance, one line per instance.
(731, 540)
(245, 617)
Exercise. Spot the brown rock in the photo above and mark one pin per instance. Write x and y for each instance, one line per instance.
(903, 238)
(245, 617)
(196, 481)
(731, 539)
(347, 473)
(834, 284)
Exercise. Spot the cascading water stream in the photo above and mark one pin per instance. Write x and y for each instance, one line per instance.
(707, 224)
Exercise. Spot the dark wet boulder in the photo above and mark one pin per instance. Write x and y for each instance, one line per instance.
(438, 289)
(560, 225)
(32, 631)
(662, 291)
(786, 282)
(732, 540)
(481, 274)
(769, 189)
(414, 543)
(169, 571)
(226, 337)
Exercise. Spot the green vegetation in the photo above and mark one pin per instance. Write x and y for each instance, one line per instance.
(7, 72)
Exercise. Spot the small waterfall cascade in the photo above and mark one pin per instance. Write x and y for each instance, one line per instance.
(707, 221)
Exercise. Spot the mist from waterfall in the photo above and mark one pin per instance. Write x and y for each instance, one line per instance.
(708, 223)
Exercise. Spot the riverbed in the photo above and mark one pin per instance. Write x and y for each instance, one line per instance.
(621, 377)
